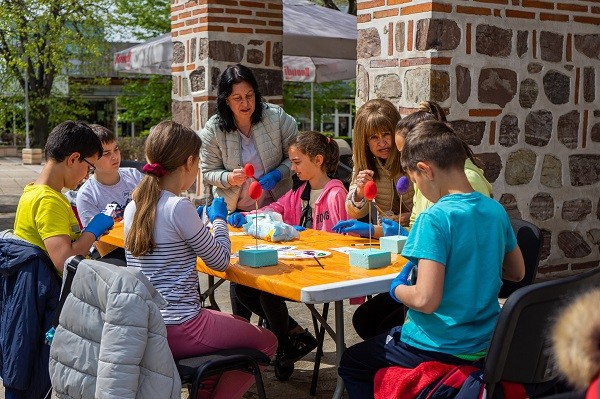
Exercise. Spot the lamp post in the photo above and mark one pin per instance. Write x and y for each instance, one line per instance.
(27, 102)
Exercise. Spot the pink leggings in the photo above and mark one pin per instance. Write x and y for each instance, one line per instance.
(211, 331)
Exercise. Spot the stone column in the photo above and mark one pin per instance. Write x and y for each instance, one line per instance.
(210, 35)
(518, 81)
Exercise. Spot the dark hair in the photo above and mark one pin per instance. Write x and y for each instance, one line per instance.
(236, 74)
(103, 133)
(169, 144)
(313, 143)
(428, 111)
(69, 137)
(433, 141)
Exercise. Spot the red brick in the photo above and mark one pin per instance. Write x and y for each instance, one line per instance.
(409, 36)
(473, 10)
(544, 16)
(571, 7)
(390, 38)
(407, 62)
(586, 20)
(191, 21)
(191, 4)
(236, 11)
(369, 4)
(496, 13)
(515, 2)
(426, 7)
(223, 2)
(553, 268)
(520, 14)
(177, 25)
(275, 6)
(468, 34)
(584, 265)
(252, 4)
(534, 43)
(538, 4)
(239, 30)
(484, 112)
(275, 23)
(203, 98)
(190, 67)
(492, 139)
(270, 31)
(268, 53)
(493, 1)
(386, 13)
(184, 14)
(202, 10)
(177, 69)
(584, 129)
(596, 10)
(363, 18)
(268, 14)
(577, 78)
(394, 2)
(253, 22)
(569, 48)
(180, 7)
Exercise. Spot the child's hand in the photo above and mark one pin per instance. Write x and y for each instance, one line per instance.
(268, 181)
(99, 225)
(354, 226)
(236, 177)
(236, 219)
(218, 209)
(390, 228)
(200, 209)
(401, 279)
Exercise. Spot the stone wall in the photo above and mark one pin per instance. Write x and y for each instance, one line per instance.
(519, 81)
(210, 35)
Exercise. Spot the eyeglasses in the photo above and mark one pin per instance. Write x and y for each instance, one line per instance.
(239, 99)
(91, 167)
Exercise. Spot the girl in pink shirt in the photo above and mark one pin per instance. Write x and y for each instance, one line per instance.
(318, 202)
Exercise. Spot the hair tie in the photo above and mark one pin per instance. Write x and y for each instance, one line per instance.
(155, 169)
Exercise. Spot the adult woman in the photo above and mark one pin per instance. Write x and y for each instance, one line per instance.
(246, 130)
(377, 159)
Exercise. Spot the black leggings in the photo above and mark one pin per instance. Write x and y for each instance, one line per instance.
(270, 307)
(377, 315)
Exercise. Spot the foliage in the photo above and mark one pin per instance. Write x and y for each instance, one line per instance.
(40, 41)
(296, 97)
(145, 18)
(146, 102)
(132, 148)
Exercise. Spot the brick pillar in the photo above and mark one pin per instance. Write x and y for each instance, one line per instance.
(208, 36)
(518, 79)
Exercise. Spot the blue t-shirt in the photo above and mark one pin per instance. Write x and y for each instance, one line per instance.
(469, 234)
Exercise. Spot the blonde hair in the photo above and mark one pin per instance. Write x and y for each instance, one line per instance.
(376, 116)
(169, 145)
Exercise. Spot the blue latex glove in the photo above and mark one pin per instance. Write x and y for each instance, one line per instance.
(99, 225)
(354, 226)
(299, 228)
(268, 181)
(218, 209)
(236, 219)
(200, 209)
(390, 228)
(401, 279)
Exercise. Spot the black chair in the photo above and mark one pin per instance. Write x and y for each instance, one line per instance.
(126, 163)
(529, 239)
(519, 350)
(194, 370)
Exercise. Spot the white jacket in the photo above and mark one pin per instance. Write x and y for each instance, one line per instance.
(111, 341)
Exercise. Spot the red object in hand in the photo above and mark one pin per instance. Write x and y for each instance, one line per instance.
(255, 190)
(249, 170)
(370, 190)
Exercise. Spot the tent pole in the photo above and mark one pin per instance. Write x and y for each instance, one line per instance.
(312, 105)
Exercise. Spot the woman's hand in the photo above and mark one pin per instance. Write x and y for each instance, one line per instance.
(361, 179)
(236, 177)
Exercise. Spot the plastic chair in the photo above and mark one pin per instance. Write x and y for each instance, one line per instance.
(519, 348)
(529, 239)
(195, 369)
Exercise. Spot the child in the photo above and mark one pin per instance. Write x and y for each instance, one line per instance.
(318, 203)
(375, 159)
(164, 235)
(109, 185)
(44, 216)
(464, 245)
(382, 312)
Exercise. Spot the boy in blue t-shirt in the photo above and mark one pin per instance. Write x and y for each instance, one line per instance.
(463, 245)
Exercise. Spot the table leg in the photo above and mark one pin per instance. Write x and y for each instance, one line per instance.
(340, 345)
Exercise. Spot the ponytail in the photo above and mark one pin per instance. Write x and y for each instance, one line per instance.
(140, 239)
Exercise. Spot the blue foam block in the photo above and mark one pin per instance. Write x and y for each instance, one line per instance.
(258, 257)
(394, 244)
(370, 258)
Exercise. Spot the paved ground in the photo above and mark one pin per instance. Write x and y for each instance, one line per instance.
(14, 176)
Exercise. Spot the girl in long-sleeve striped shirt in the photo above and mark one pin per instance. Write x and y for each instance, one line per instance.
(164, 235)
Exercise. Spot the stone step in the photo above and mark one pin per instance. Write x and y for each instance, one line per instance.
(8, 203)
(7, 221)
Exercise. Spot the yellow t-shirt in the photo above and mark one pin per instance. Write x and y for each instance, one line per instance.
(43, 213)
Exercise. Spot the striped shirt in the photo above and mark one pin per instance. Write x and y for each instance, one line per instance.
(179, 236)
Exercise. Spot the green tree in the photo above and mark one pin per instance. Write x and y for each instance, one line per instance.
(42, 40)
(146, 102)
(145, 18)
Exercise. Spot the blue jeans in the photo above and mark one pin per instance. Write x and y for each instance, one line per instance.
(360, 362)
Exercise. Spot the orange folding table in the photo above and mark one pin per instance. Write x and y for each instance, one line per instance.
(303, 279)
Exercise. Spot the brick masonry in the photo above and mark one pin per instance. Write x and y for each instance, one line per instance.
(519, 81)
(210, 35)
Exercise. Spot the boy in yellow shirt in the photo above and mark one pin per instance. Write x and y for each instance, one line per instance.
(44, 216)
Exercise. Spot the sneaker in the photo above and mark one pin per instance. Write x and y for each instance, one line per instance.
(298, 346)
